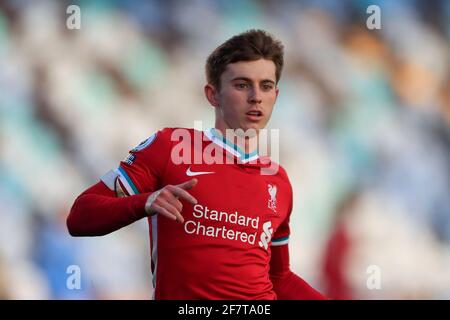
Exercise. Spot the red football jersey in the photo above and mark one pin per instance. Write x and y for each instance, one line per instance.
(222, 250)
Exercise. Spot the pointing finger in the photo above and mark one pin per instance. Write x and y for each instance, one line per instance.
(181, 193)
(188, 184)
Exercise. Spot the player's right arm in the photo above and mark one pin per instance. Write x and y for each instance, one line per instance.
(131, 192)
(97, 211)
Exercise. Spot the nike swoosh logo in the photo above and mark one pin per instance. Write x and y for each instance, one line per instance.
(190, 173)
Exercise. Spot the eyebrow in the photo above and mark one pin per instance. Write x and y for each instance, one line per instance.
(250, 80)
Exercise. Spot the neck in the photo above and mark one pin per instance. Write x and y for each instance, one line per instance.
(249, 145)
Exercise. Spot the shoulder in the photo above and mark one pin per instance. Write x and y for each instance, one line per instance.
(278, 169)
(172, 133)
(283, 176)
(162, 137)
(282, 172)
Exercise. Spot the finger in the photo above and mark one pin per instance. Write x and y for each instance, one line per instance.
(170, 197)
(168, 212)
(171, 209)
(181, 193)
(161, 211)
(188, 184)
(173, 200)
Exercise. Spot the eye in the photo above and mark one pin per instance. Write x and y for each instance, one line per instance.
(241, 86)
(267, 87)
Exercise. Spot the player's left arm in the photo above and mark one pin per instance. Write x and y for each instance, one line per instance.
(286, 284)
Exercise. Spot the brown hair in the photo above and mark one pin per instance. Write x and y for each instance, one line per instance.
(247, 46)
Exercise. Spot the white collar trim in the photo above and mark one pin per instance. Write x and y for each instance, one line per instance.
(209, 133)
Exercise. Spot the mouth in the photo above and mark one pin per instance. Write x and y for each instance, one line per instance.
(254, 115)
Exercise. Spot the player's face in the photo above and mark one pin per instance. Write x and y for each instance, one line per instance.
(247, 95)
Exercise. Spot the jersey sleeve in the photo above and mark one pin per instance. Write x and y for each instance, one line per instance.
(281, 235)
(142, 170)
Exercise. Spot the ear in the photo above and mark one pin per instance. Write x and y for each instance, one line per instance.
(277, 91)
(211, 93)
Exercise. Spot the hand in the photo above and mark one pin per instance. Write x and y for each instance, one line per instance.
(165, 201)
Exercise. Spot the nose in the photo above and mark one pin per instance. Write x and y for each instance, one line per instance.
(255, 96)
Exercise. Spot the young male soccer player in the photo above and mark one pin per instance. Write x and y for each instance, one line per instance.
(218, 229)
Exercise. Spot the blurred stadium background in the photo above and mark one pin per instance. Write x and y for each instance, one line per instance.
(364, 117)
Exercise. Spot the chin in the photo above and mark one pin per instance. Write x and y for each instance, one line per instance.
(252, 127)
